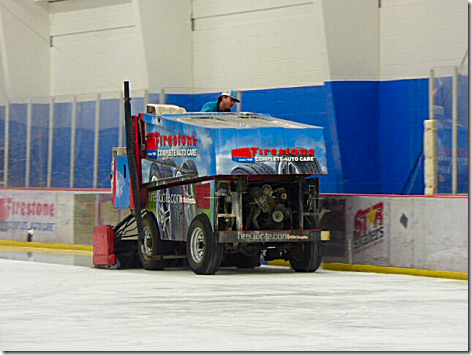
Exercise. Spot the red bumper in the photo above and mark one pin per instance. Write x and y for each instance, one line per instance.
(103, 246)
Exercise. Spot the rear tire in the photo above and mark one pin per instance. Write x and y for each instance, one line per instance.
(306, 257)
(151, 245)
(204, 253)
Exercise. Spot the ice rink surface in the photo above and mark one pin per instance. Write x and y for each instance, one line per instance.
(47, 307)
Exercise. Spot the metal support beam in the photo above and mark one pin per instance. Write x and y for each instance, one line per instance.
(455, 103)
(239, 105)
(51, 141)
(430, 144)
(97, 142)
(162, 96)
(146, 99)
(72, 142)
(29, 119)
(7, 145)
(121, 121)
(431, 94)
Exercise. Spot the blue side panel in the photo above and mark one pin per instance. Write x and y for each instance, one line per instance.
(84, 144)
(61, 144)
(403, 106)
(357, 119)
(17, 148)
(122, 197)
(39, 145)
(108, 138)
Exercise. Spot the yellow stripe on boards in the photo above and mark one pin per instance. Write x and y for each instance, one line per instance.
(44, 250)
(13, 243)
(396, 270)
(384, 270)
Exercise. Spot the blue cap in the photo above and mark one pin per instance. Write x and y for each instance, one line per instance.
(230, 93)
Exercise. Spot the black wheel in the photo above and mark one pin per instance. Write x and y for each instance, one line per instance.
(248, 261)
(253, 169)
(319, 257)
(306, 257)
(151, 245)
(204, 253)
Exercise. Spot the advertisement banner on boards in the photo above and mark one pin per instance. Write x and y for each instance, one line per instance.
(366, 227)
(23, 212)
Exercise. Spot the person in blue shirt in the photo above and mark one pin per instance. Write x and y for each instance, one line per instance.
(225, 102)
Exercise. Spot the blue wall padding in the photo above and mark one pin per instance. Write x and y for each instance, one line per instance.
(61, 144)
(191, 102)
(137, 105)
(17, 145)
(108, 138)
(39, 145)
(357, 118)
(153, 98)
(84, 144)
(403, 107)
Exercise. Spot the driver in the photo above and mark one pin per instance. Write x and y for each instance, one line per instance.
(225, 102)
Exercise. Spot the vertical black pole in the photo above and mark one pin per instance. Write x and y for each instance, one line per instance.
(133, 174)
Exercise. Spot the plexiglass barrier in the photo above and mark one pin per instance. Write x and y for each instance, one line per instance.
(451, 100)
(62, 143)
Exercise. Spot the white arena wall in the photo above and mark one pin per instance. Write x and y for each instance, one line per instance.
(91, 46)
(25, 67)
(408, 232)
(416, 35)
(249, 44)
(95, 48)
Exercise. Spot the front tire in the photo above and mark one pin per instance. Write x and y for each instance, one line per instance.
(204, 253)
(306, 257)
(151, 245)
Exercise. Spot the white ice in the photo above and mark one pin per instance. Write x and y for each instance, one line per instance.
(47, 307)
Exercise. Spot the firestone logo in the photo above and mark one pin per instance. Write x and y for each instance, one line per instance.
(368, 227)
(9, 207)
(253, 154)
(165, 145)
